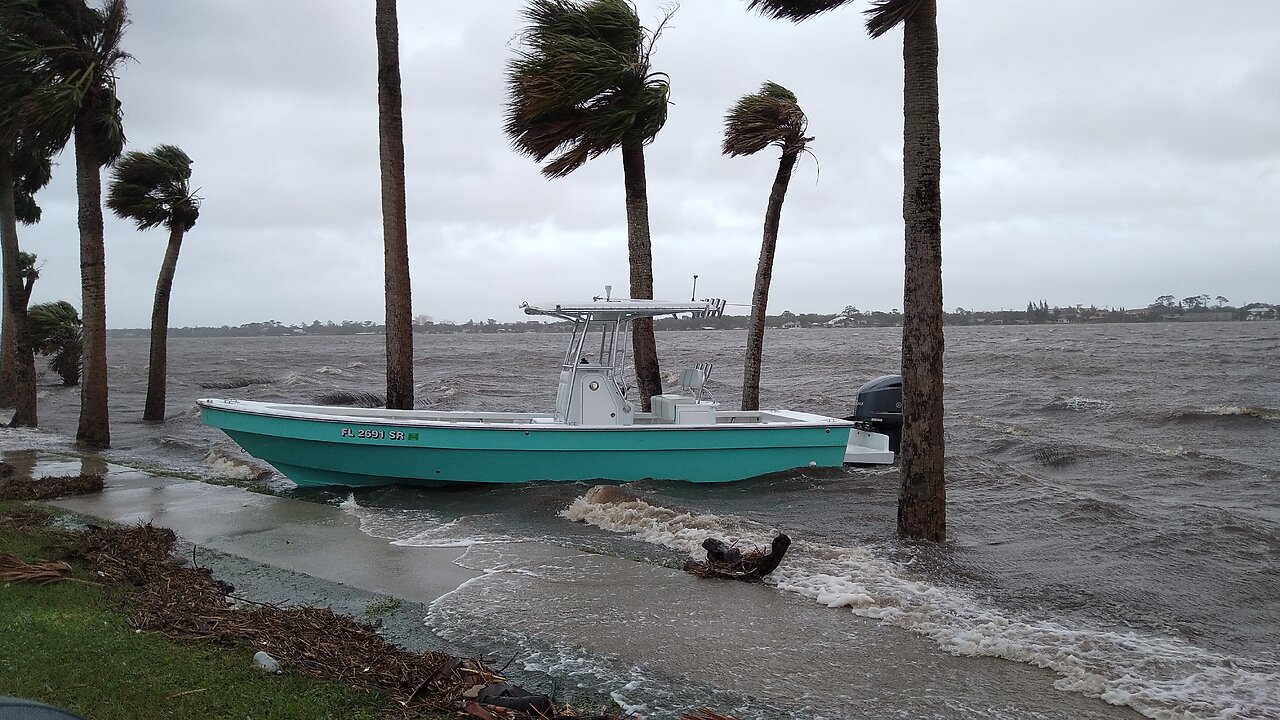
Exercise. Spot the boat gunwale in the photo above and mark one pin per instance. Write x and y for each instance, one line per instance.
(513, 421)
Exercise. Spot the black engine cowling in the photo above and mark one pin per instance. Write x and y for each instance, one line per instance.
(879, 408)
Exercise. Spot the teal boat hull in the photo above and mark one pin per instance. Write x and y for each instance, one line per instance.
(342, 446)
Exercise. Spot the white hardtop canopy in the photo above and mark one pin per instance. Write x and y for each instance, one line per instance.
(611, 310)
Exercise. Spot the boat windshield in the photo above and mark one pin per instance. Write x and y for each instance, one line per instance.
(599, 343)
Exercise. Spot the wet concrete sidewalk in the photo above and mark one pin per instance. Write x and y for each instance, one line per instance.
(318, 540)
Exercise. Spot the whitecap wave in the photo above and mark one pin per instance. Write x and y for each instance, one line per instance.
(1076, 403)
(226, 465)
(1159, 677)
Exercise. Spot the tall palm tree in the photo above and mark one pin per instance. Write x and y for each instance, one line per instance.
(395, 230)
(922, 498)
(56, 330)
(24, 169)
(770, 117)
(75, 96)
(580, 86)
(154, 189)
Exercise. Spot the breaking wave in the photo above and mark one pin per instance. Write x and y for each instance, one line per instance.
(1159, 677)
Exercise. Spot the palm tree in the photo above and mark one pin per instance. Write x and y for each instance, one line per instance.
(922, 499)
(581, 86)
(56, 330)
(24, 169)
(771, 116)
(395, 230)
(154, 189)
(29, 273)
(75, 95)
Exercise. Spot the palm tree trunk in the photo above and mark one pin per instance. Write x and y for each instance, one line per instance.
(95, 428)
(157, 370)
(640, 258)
(764, 277)
(922, 499)
(23, 364)
(395, 231)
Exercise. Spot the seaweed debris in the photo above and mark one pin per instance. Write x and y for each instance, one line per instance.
(15, 487)
(188, 603)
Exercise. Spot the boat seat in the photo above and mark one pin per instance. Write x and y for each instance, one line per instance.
(693, 380)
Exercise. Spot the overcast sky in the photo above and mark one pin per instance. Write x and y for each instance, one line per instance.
(1093, 152)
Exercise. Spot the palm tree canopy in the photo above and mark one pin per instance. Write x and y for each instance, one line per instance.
(882, 16)
(153, 189)
(32, 171)
(66, 54)
(27, 265)
(771, 116)
(53, 325)
(581, 84)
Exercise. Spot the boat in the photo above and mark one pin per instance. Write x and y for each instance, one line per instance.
(595, 432)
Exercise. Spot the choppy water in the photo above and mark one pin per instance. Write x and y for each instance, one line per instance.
(1114, 524)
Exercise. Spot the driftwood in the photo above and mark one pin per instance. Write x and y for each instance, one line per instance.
(726, 561)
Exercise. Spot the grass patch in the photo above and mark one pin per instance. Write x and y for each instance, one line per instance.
(69, 645)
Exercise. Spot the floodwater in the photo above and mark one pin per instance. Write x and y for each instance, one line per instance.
(1113, 541)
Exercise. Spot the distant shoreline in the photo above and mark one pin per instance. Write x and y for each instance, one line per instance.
(787, 320)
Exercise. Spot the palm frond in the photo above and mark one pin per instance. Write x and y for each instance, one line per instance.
(884, 15)
(153, 188)
(770, 116)
(580, 84)
(795, 10)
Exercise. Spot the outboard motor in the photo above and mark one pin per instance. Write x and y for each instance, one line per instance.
(879, 408)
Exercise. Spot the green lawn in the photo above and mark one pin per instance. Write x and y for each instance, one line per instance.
(69, 645)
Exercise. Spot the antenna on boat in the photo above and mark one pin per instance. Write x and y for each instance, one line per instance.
(693, 296)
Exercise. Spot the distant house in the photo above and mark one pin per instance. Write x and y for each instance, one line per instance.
(791, 324)
(1260, 313)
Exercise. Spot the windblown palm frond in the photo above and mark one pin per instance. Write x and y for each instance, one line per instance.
(581, 85)
(771, 116)
(56, 330)
(794, 10)
(153, 189)
(69, 53)
(882, 16)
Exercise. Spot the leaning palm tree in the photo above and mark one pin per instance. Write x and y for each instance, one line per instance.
(580, 86)
(56, 330)
(395, 230)
(922, 498)
(154, 189)
(770, 117)
(75, 95)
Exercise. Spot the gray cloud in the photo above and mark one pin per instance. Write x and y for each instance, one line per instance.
(1085, 160)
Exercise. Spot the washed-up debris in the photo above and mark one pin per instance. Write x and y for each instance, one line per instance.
(187, 603)
(14, 569)
(266, 663)
(24, 518)
(728, 561)
(14, 487)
